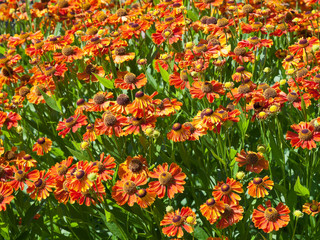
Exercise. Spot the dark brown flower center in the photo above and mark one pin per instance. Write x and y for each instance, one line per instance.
(240, 69)
(9, 155)
(62, 169)
(130, 78)
(135, 166)
(50, 71)
(80, 174)
(63, 4)
(176, 126)
(130, 187)
(271, 214)
(192, 129)
(206, 112)
(222, 22)
(207, 87)
(23, 91)
(100, 166)
(109, 120)
(254, 40)
(177, 220)
(142, 193)
(225, 188)
(120, 51)
(41, 140)
(227, 211)
(139, 94)
(1, 198)
(80, 102)
(243, 88)
(42, 88)
(121, 12)
(25, 78)
(165, 178)
(246, 9)
(123, 100)
(303, 43)
(7, 71)
(252, 158)
(293, 96)
(270, 93)
(257, 181)
(90, 69)
(210, 202)
(263, 86)
(99, 98)
(67, 51)
(20, 175)
(27, 157)
(240, 51)
(40, 183)
(70, 122)
(302, 72)
(305, 134)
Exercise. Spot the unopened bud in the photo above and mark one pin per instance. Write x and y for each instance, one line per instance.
(19, 129)
(261, 149)
(84, 145)
(240, 175)
(298, 214)
(92, 177)
(156, 133)
(169, 209)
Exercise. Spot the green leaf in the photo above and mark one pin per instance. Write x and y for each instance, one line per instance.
(105, 82)
(300, 189)
(192, 15)
(57, 29)
(79, 155)
(164, 74)
(2, 50)
(50, 101)
(199, 233)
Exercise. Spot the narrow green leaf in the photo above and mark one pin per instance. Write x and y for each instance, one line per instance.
(192, 15)
(2, 50)
(50, 101)
(199, 233)
(164, 74)
(79, 155)
(300, 189)
(105, 82)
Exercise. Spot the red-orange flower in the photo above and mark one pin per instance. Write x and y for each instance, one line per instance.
(78, 177)
(227, 191)
(254, 162)
(271, 219)
(105, 167)
(212, 210)
(5, 195)
(231, 215)
(131, 81)
(133, 166)
(177, 222)
(258, 187)
(42, 145)
(74, 122)
(41, 187)
(100, 102)
(125, 190)
(170, 179)
(145, 197)
(22, 176)
(305, 136)
(179, 132)
(59, 170)
(89, 196)
(312, 208)
(211, 90)
(110, 124)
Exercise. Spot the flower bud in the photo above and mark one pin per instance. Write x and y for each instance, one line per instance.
(240, 175)
(169, 209)
(19, 129)
(193, 73)
(156, 133)
(283, 82)
(92, 177)
(315, 47)
(266, 70)
(84, 145)
(189, 45)
(261, 149)
(149, 132)
(298, 214)
(190, 220)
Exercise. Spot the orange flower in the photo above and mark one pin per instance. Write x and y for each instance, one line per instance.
(22, 177)
(312, 208)
(226, 191)
(258, 187)
(125, 190)
(167, 107)
(43, 144)
(61, 193)
(27, 161)
(11, 120)
(179, 80)
(134, 166)
(59, 170)
(110, 124)
(5, 195)
(137, 124)
(89, 71)
(87, 197)
(146, 197)
(78, 177)
(142, 105)
(177, 222)
(305, 136)
(271, 219)
(100, 102)
(211, 90)
(231, 215)
(74, 122)
(120, 105)
(254, 162)
(171, 179)
(179, 133)
(68, 54)
(90, 134)
(41, 187)
(120, 55)
(131, 81)
(212, 210)
(105, 167)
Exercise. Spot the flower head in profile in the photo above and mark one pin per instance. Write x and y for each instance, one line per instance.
(271, 219)
(231, 215)
(179, 132)
(227, 192)
(305, 136)
(72, 123)
(5, 195)
(212, 209)
(177, 221)
(169, 179)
